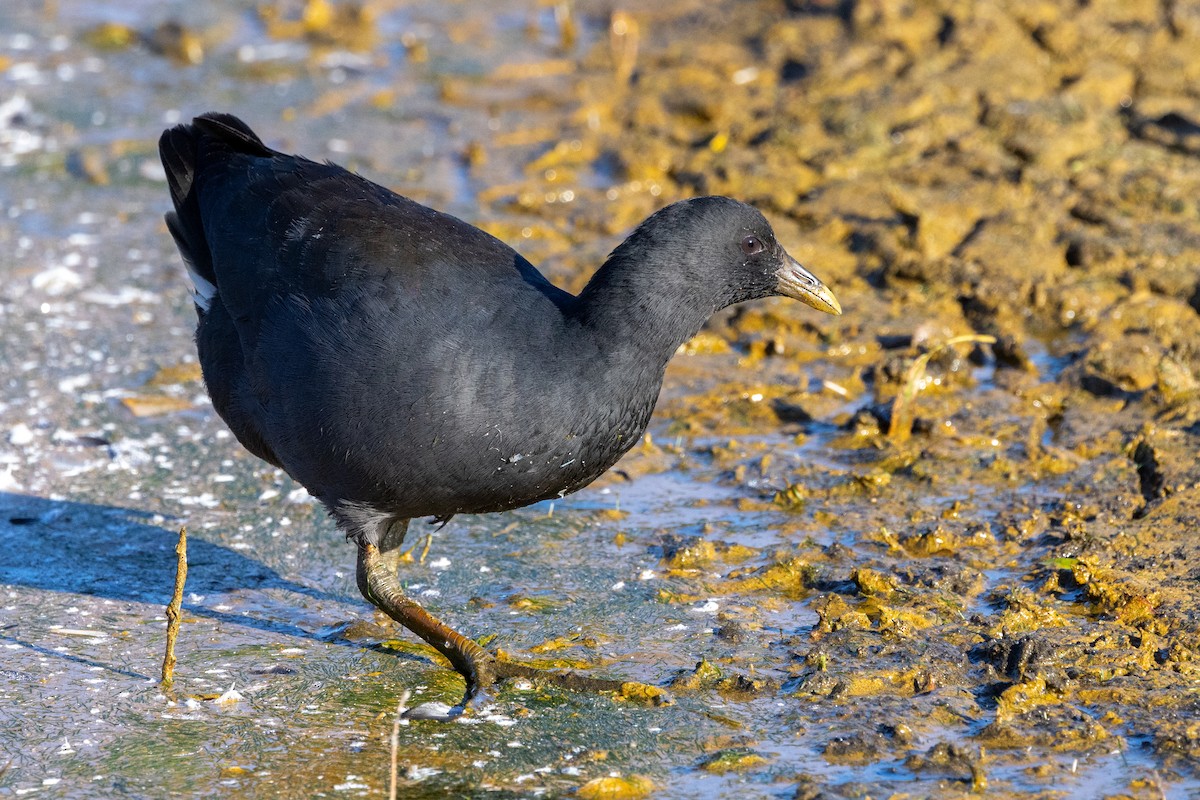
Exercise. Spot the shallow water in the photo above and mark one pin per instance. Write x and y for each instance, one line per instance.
(1006, 596)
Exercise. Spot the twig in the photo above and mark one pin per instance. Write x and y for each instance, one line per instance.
(623, 42)
(400, 709)
(174, 609)
(568, 32)
(902, 409)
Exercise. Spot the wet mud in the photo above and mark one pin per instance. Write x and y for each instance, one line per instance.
(942, 545)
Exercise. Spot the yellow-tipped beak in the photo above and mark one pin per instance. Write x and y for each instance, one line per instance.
(798, 283)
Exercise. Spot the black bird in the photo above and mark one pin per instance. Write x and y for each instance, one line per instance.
(401, 363)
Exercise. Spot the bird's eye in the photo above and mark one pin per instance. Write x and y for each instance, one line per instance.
(752, 245)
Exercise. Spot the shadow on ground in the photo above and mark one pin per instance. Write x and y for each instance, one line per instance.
(128, 555)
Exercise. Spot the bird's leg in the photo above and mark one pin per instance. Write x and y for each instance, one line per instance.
(379, 584)
(391, 541)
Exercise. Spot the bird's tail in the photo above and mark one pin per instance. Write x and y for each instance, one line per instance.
(183, 150)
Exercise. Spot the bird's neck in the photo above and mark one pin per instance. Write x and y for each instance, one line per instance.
(647, 315)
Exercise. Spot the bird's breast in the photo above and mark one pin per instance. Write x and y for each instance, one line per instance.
(534, 462)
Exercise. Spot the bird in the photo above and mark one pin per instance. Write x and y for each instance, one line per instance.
(400, 363)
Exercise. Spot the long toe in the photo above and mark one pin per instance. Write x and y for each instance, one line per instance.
(575, 682)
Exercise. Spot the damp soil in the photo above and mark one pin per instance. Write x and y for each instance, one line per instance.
(944, 544)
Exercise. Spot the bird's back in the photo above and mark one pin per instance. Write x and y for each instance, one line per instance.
(256, 223)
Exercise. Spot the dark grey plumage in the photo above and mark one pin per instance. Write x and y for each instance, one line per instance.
(402, 363)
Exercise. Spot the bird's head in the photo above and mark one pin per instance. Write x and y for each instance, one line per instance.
(730, 247)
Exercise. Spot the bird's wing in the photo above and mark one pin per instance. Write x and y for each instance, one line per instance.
(271, 226)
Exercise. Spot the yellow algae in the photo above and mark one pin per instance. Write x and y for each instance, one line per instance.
(1022, 697)
(793, 498)
(892, 618)
(675, 598)
(937, 542)
(111, 36)
(734, 760)
(537, 605)
(644, 693)
(792, 577)
(1026, 611)
(613, 787)
(705, 343)
(834, 614)
(703, 553)
(886, 683)
(155, 405)
(184, 372)
(565, 643)
(705, 675)
(349, 24)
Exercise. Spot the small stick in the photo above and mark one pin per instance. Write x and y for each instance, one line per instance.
(623, 42)
(903, 413)
(568, 33)
(400, 709)
(174, 609)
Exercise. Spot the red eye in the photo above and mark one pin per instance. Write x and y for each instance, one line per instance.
(752, 245)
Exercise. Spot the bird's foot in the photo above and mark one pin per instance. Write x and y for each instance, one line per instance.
(482, 670)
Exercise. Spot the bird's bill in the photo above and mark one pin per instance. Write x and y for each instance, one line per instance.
(796, 282)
